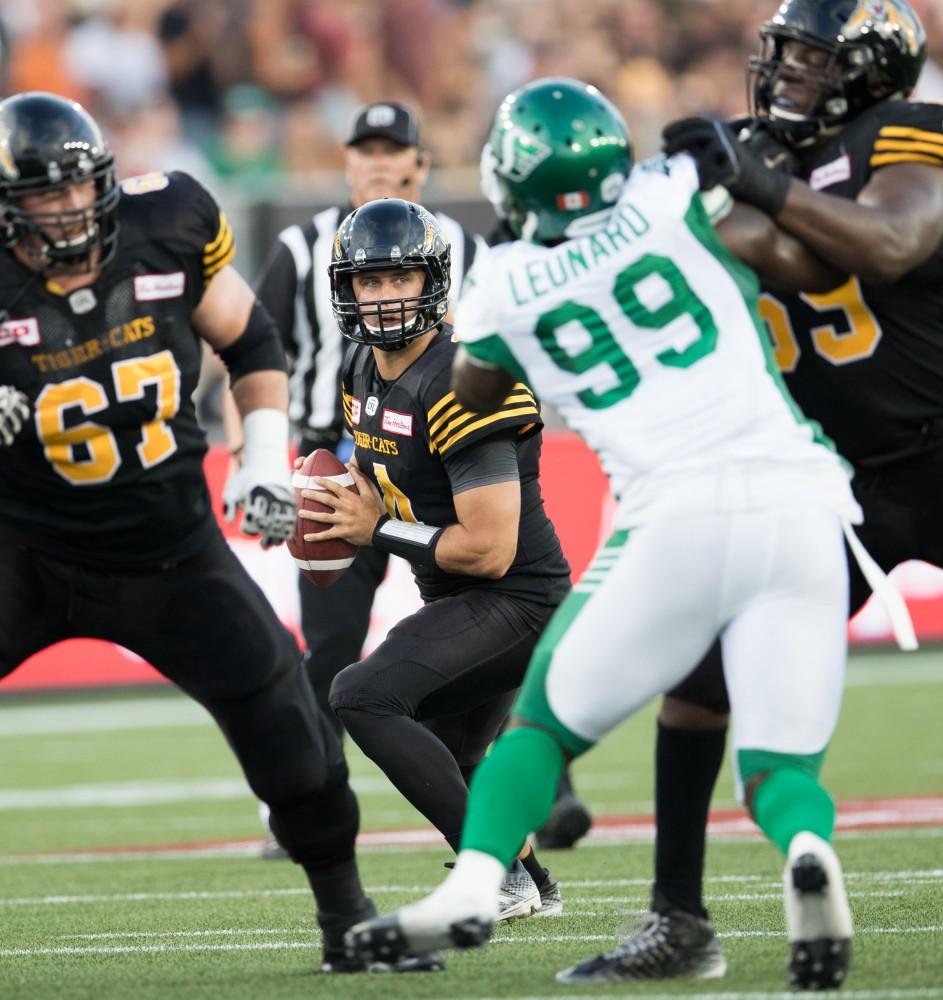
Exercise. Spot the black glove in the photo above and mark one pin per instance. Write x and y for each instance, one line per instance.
(721, 159)
(757, 137)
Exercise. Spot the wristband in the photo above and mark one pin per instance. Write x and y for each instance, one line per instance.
(416, 543)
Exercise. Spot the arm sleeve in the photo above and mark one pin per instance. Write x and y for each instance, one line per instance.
(492, 460)
(277, 289)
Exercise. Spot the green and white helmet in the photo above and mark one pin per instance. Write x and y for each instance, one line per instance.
(556, 159)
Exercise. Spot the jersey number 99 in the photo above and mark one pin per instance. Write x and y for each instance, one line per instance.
(603, 348)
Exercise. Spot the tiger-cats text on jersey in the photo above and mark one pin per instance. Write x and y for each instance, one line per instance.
(109, 469)
(866, 360)
(404, 429)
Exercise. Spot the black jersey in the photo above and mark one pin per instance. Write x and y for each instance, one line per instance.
(296, 290)
(110, 468)
(865, 360)
(406, 429)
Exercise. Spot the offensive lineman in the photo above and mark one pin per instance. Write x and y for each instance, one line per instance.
(638, 324)
(105, 524)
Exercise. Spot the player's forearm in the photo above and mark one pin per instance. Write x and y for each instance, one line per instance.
(473, 554)
(879, 246)
(266, 389)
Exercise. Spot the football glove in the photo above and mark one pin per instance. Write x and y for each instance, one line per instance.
(721, 159)
(755, 134)
(14, 412)
(261, 486)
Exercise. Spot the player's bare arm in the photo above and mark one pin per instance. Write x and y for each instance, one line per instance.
(893, 227)
(221, 319)
(781, 260)
(478, 385)
(234, 324)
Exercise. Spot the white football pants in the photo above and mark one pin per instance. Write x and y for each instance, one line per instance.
(772, 584)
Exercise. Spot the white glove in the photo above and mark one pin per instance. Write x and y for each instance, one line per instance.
(14, 412)
(262, 485)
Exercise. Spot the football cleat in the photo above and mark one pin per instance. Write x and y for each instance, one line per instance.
(551, 902)
(419, 930)
(671, 945)
(519, 896)
(818, 918)
(568, 822)
(337, 957)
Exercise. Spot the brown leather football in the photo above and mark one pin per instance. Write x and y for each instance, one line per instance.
(321, 562)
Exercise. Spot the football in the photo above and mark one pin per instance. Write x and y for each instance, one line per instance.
(321, 562)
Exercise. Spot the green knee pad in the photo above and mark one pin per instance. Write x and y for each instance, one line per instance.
(789, 799)
(512, 792)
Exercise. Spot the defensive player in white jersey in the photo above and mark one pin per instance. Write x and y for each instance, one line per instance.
(623, 309)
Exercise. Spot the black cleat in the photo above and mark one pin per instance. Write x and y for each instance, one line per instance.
(568, 822)
(671, 945)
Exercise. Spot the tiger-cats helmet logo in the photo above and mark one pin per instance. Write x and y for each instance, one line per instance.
(8, 166)
(885, 17)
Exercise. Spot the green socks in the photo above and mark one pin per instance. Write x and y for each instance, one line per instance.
(512, 793)
(790, 801)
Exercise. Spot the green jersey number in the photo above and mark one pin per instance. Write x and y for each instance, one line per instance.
(604, 349)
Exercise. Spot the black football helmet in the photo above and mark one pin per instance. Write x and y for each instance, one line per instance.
(877, 50)
(384, 235)
(48, 143)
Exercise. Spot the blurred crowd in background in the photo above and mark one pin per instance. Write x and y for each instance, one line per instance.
(257, 94)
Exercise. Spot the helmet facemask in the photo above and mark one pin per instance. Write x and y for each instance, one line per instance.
(389, 235)
(839, 89)
(383, 323)
(64, 242)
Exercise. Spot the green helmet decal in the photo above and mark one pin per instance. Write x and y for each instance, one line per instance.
(556, 159)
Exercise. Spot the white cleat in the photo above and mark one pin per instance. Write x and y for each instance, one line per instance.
(818, 918)
(438, 921)
(518, 897)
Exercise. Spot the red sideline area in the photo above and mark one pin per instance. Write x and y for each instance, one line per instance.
(854, 814)
(578, 501)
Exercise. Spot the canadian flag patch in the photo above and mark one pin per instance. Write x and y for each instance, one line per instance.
(354, 410)
(149, 287)
(398, 423)
(24, 332)
(572, 201)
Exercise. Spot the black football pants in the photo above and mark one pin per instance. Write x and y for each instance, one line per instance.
(205, 625)
(427, 702)
(335, 621)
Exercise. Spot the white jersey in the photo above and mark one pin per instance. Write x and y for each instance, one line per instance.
(646, 337)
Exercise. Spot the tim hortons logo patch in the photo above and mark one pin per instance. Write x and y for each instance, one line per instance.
(148, 287)
(398, 423)
(830, 173)
(24, 332)
(354, 410)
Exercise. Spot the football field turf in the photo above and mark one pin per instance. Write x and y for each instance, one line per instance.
(128, 857)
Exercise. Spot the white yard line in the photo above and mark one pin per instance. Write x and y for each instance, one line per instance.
(206, 946)
(925, 877)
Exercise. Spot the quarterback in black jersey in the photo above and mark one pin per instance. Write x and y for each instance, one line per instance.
(455, 493)
(106, 532)
(865, 360)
